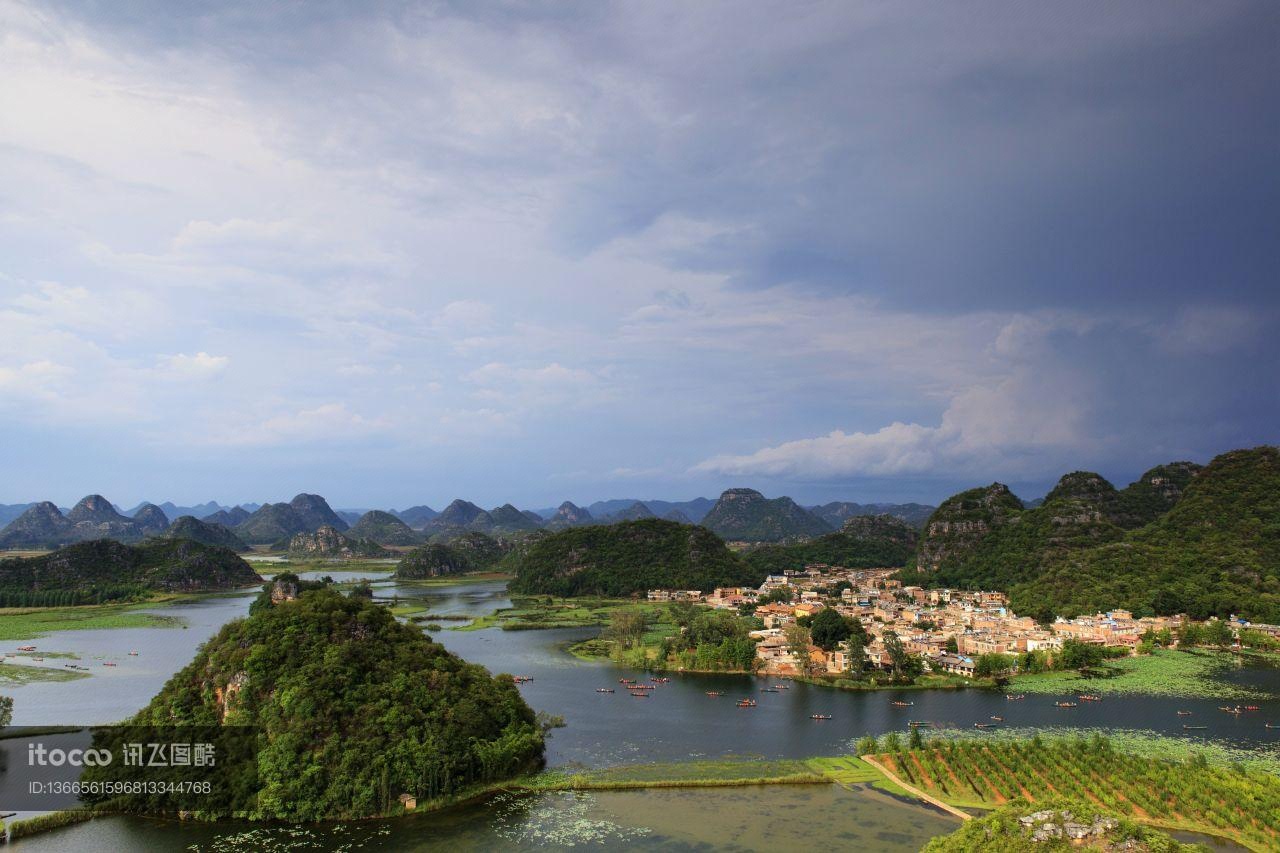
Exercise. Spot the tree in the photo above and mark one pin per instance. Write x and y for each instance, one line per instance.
(829, 629)
(952, 646)
(1218, 633)
(915, 740)
(867, 745)
(798, 641)
(1190, 634)
(682, 612)
(781, 595)
(993, 665)
(905, 666)
(6, 710)
(627, 627)
(1080, 655)
(856, 661)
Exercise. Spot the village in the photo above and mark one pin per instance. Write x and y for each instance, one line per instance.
(949, 630)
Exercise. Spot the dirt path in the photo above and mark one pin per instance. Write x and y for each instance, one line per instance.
(912, 789)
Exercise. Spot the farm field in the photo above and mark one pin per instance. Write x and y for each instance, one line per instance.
(1192, 794)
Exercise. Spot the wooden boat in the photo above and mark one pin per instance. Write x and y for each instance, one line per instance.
(640, 695)
(782, 686)
(819, 716)
(604, 690)
(985, 725)
(714, 693)
(1090, 698)
(903, 704)
(1013, 698)
(521, 679)
(998, 719)
(1065, 704)
(746, 703)
(38, 660)
(133, 654)
(1184, 713)
(768, 690)
(1252, 708)
(26, 648)
(916, 724)
(1189, 728)
(1272, 725)
(626, 681)
(108, 663)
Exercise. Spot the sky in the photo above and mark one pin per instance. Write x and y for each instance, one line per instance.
(397, 253)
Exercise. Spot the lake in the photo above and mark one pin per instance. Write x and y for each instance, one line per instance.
(679, 721)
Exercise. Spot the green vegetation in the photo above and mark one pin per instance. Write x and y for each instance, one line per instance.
(1193, 794)
(1216, 552)
(685, 774)
(530, 613)
(12, 673)
(384, 528)
(863, 542)
(1163, 673)
(745, 515)
(206, 533)
(354, 709)
(1003, 830)
(29, 624)
(1182, 539)
(629, 557)
(104, 567)
(44, 823)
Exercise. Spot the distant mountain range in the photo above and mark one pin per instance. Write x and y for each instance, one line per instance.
(738, 515)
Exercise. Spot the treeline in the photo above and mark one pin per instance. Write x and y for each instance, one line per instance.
(70, 597)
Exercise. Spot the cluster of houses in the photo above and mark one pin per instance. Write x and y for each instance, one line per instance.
(948, 629)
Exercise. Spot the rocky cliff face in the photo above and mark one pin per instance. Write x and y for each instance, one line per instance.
(569, 515)
(316, 513)
(328, 541)
(41, 526)
(151, 519)
(745, 515)
(383, 528)
(205, 533)
(963, 521)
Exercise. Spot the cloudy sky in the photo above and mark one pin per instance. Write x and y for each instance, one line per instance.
(401, 252)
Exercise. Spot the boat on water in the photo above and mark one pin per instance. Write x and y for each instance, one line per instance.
(1065, 704)
(1272, 725)
(746, 703)
(604, 690)
(782, 686)
(903, 704)
(1090, 698)
(108, 663)
(918, 724)
(1013, 698)
(768, 690)
(998, 719)
(38, 660)
(1252, 708)
(133, 654)
(714, 693)
(26, 648)
(819, 716)
(1184, 713)
(1190, 728)
(522, 679)
(626, 681)
(640, 695)
(986, 725)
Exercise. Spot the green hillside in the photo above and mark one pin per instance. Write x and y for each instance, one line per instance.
(1217, 551)
(745, 515)
(863, 542)
(631, 556)
(354, 709)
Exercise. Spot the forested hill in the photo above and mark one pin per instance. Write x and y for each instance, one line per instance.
(171, 565)
(1217, 551)
(863, 542)
(387, 711)
(628, 557)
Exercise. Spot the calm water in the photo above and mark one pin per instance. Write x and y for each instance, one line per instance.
(678, 721)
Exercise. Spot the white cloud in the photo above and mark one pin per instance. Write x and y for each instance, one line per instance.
(194, 366)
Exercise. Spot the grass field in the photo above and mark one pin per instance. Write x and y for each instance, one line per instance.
(11, 673)
(1165, 673)
(528, 613)
(1191, 794)
(27, 623)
